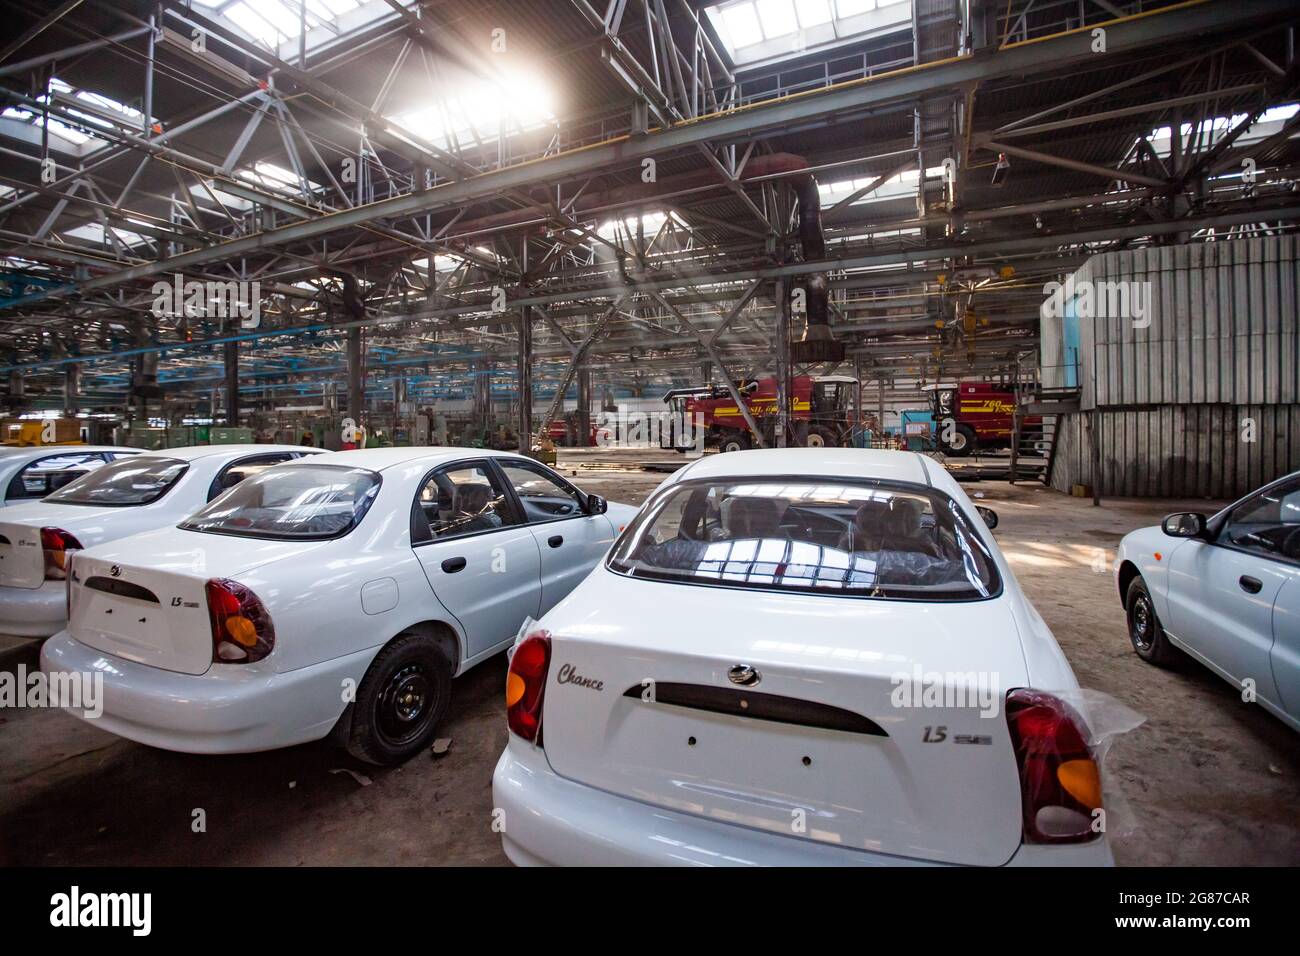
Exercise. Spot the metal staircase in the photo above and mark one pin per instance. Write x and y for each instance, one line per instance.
(1036, 420)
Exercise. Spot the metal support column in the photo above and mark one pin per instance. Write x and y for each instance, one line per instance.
(782, 363)
(230, 353)
(584, 407)
(525, 379)
(356, 376)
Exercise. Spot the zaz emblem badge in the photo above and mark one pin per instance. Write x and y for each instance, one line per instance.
(115, 570)
(744, 675)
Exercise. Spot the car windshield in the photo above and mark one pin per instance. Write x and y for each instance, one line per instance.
(138, 480)
(820, 535)
(291, 502)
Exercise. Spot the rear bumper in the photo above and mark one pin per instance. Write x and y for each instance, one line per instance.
(229, 709)
(551, 821)
(34, 612)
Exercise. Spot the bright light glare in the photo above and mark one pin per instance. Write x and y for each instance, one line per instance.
(482, 111)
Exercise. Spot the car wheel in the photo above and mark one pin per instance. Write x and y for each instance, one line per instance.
(737, 443)
(401, 701)
(1144, 630)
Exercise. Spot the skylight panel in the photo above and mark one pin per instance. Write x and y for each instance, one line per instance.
(773, 30)
(479, 111)
(94, 232)
(743, 25)
(776, 17)
(812, 13)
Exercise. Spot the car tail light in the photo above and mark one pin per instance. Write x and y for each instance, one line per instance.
(1060, 784)
(525, 685)
(57, 545)
(241, 627)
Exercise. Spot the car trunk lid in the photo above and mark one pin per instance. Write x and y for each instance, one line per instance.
(144, 598)
(22, 561)
(825, 746)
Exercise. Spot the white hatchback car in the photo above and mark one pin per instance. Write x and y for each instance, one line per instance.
(31, 472)
(799, 657)
(337, 593)
(1225, 590)
(132, 494)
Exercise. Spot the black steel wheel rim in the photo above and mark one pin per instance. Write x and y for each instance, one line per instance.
(1141, 621)
(406, 705)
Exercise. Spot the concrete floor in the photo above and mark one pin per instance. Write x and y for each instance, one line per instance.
(1205, 780)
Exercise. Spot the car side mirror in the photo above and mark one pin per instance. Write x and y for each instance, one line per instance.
(1184, 524)
(989, 515)
(596, 505)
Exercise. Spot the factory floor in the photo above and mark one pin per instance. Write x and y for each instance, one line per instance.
(1205, 779)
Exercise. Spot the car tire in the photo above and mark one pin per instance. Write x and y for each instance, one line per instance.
(401, 701)
(735, 443)
(1145, 632)
(963, 442)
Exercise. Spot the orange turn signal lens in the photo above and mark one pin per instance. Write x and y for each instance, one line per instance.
(242, 630)
(1081, 781)
(515, 688)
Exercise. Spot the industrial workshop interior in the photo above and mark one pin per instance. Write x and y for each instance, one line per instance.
(624, 433)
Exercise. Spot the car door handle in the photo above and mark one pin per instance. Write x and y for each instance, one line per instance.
(1249, 584)
(555, 540)
(452, 565)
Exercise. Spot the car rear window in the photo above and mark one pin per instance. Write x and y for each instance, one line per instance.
(291, 502)
(137, 480)
(829, 536)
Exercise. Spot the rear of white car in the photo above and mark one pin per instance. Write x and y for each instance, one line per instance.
(702, 702)
(182, 621)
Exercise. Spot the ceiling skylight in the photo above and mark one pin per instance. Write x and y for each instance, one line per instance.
(478, 111)
(1209, 131)
(277, 23)
(767, 30)
(91, 111)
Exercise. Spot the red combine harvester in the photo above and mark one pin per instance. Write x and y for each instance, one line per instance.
(819, 413)
(982, 414)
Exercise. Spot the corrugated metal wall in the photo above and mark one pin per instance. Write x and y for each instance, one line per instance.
(1223, 345)
(1223, 326)
(1179, 450)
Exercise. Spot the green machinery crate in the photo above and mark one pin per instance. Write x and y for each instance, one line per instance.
(140, 436)
(181, 437)
(222, 435)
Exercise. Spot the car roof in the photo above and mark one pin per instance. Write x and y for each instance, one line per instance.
(875, 463)
(13, 451)
(195, 452)
(378, 459)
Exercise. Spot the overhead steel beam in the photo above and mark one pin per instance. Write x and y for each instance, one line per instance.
(1158, 28)
(22, 66)
(1105, 172)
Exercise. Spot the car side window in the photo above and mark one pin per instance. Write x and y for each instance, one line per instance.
(1267, 524)
(40, 477)
(544, 497)
(242, 468)
(462, 499)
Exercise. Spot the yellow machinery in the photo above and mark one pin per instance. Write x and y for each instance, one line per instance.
(46, 431)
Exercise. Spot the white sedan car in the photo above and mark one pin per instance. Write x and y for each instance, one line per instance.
(339, 593)
(31, 472)
(132, 494)
(1226, 591)
(793, 657)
